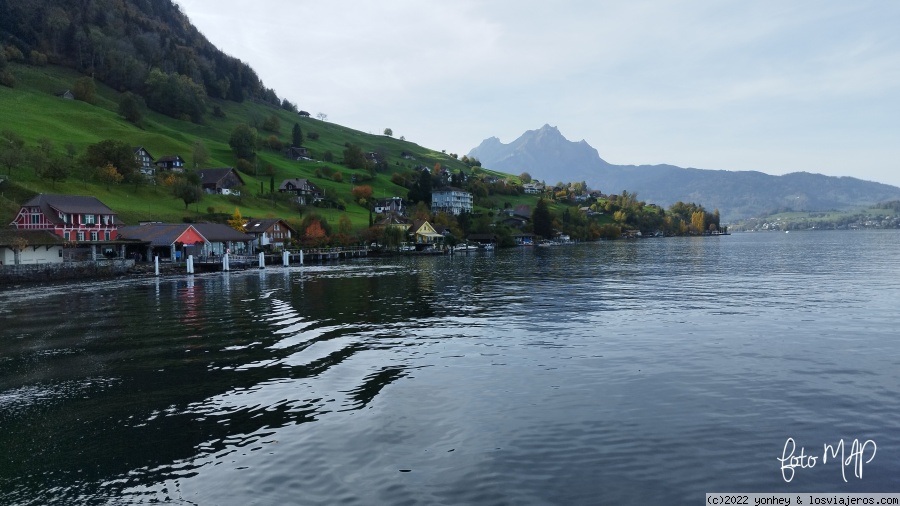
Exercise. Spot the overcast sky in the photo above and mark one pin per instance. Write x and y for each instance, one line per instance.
(762, 85)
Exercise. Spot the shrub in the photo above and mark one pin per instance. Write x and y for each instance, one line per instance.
(313, 136)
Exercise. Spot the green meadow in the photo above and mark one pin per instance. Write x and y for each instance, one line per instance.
(33, 111)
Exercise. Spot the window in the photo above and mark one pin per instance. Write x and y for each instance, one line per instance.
(80, 236)
(87, 219)
(35, 219)
(66, 235)
(94, 236)
(106, 235)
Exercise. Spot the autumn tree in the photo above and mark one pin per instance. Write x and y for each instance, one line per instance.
(362, 193)
(236, 221)
(314, 234)
(108, 174)
(525, 177)
(698, 221)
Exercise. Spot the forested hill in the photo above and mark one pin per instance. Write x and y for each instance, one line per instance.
(130, 45)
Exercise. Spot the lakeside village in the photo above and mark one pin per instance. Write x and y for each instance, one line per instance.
(68, 237)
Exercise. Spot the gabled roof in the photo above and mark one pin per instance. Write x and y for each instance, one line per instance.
(216, 232)
(260, 225)
(214, 176)
(296, 183)
(52, 205)
(170, 158)
(157, 234)
(166, 234)
(138, 148)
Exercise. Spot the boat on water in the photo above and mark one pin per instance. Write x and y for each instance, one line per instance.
(465, 247)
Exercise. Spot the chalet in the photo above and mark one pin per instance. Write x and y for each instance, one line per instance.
(451, 200)
(73, 218)
(372, 157)
(30, 247)
(492, 180)
(173, 163)
(65, 95)
(406, 155)
(423, 234)
(297, 153)
(270, 232)
(306, 191)
(391, 205)
(223, 181)
(303, 113)
(144, 160)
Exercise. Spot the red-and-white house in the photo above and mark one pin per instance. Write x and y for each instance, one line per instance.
(71, 217)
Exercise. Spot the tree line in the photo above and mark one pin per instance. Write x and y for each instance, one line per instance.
(147, 47)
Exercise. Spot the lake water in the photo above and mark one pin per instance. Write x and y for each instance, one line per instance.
(605, 373)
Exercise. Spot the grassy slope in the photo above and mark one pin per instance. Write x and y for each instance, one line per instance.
(31, 110)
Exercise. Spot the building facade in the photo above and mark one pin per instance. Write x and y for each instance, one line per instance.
(451, 200)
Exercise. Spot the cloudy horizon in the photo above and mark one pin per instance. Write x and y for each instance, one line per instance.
(767, 86)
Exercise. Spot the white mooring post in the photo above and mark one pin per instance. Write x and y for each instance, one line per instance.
(156, 264)
(190, 264)
(285, 258)
(262, 260)
(225, 266)
(301, 257)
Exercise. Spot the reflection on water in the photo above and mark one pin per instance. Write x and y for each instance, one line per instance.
(598, 373)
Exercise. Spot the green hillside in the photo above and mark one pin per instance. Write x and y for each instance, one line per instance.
(32, 111)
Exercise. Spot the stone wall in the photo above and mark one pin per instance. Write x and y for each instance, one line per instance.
(65, 271)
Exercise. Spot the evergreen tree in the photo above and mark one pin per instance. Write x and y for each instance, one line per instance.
(296, 136)
(541, 220)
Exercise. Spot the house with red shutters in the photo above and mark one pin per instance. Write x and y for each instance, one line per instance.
(71, 217)
(79, 221)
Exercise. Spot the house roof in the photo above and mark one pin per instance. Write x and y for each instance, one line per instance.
(447, 189)
(258, 226)
(166, 234)
(298, 183)
(52, 205)
(170, 158)
(157, 234)
(216, 232)
(138, 148)
(32, 237)
(214, 176)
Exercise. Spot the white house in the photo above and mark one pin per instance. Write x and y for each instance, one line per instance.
(451, 200)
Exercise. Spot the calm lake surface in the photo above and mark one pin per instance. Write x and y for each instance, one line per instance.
(605, 373)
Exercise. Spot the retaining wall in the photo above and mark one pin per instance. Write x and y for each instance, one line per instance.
(64, 271)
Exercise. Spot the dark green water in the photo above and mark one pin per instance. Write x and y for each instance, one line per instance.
(607, 373)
